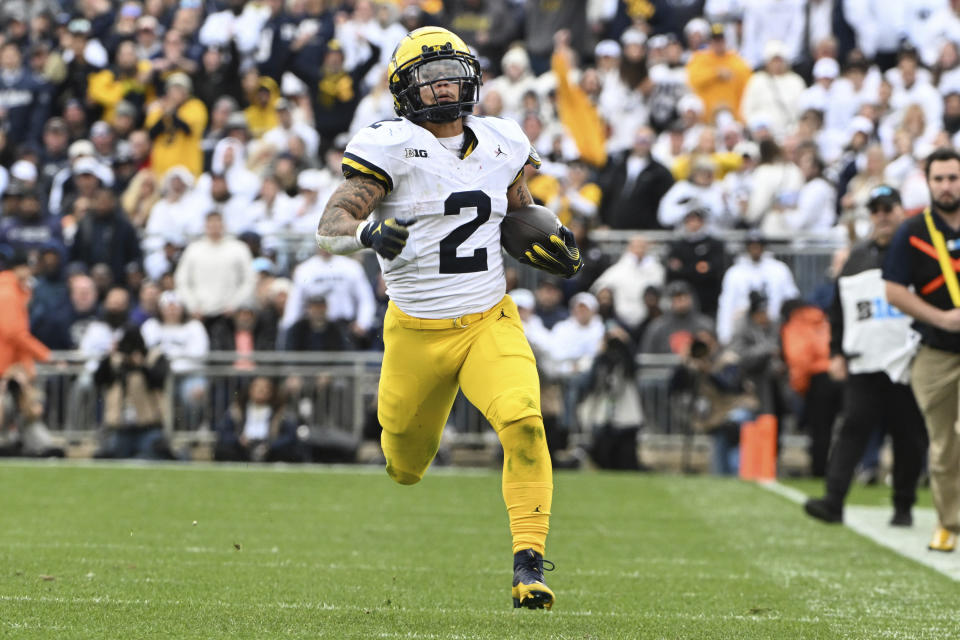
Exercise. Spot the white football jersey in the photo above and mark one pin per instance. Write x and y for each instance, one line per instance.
(451, 265)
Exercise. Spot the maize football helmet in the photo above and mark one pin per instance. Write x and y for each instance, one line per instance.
(426, 56)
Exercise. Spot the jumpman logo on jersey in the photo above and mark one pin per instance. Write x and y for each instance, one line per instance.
(500, 152)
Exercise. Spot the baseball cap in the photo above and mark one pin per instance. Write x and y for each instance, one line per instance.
(607, 49)
(633, 36)
(85, 165)
(586, 299)
(678, 288)
(826, 68)
(717, 30)
(882, 196)
(179, 79)
(523, 298)
(81, 148)
(100, 128)
(79, 26)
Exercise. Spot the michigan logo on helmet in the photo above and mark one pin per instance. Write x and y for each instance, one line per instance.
(430, 63)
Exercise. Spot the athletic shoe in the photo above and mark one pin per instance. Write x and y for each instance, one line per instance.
(820, 509)
(943, 540)
(901, 518)
(529, 588)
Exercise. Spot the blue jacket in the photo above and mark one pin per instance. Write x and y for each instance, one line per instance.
(26, 99)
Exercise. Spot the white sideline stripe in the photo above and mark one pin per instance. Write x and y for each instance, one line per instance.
(259, 467)
(872, 523)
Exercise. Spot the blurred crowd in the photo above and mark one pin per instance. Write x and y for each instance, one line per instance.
(158, 156)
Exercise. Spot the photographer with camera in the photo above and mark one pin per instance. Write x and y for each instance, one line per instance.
(131, 379)
(710, 390)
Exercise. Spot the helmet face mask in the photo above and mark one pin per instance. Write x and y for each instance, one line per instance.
(425, 61)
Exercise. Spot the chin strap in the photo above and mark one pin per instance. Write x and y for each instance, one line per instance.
(943, 257)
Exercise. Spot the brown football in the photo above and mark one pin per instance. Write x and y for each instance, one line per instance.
(521, 228)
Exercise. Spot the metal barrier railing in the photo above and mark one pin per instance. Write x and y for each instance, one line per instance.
(328, 390)
(807, 255)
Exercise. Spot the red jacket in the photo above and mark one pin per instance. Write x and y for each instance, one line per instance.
(16, 343)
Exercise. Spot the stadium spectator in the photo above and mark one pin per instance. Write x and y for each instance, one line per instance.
(50, 314)
(184, 343)
(343, 284)
(576, 342)
(699, 259)
(102, 334)
(918, 257)
(106, 236)
(718, 76)
(700, 191)
(259, 427)
(633, 184)
(24, 98)
(176, 123)
(29, 228)
(714, 399)
(775, 184)
(754, 270)
(83, 306)
(772, 94)
(315, 331)
(755, 347)
(334, 89)
(675, 330)
(286, 128)
(628, 277)
(128, 80)
(148, 303)
(214, 278)
(870, 353)
(131, 379)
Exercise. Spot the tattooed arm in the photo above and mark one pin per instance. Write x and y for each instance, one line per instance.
(350, 204)
(518, 195)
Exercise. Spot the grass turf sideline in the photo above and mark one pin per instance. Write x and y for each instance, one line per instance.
(111, 551)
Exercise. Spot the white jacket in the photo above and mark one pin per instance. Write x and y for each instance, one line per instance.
(769, 275)
(341, 281)
(214, 277)
(773, 99)
(183, 344)
(627, 278)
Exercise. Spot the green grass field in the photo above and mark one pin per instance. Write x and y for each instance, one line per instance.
(113, 552)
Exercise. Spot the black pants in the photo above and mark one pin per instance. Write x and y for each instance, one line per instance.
(821, 406)
(872, 401)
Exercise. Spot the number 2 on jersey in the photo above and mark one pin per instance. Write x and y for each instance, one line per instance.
(450, 262)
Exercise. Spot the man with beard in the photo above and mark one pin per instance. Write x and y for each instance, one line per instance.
(921, 257)
(106, 236)
(127, 79)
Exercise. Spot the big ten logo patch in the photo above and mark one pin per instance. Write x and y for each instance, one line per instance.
(877, 309)
(415, 153)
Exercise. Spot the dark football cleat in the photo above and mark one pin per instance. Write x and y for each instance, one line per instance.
(529, 588)
(823, 510)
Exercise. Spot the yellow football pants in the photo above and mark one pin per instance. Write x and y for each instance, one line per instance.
(488, 356)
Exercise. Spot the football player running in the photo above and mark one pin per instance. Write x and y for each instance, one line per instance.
(427, 191)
